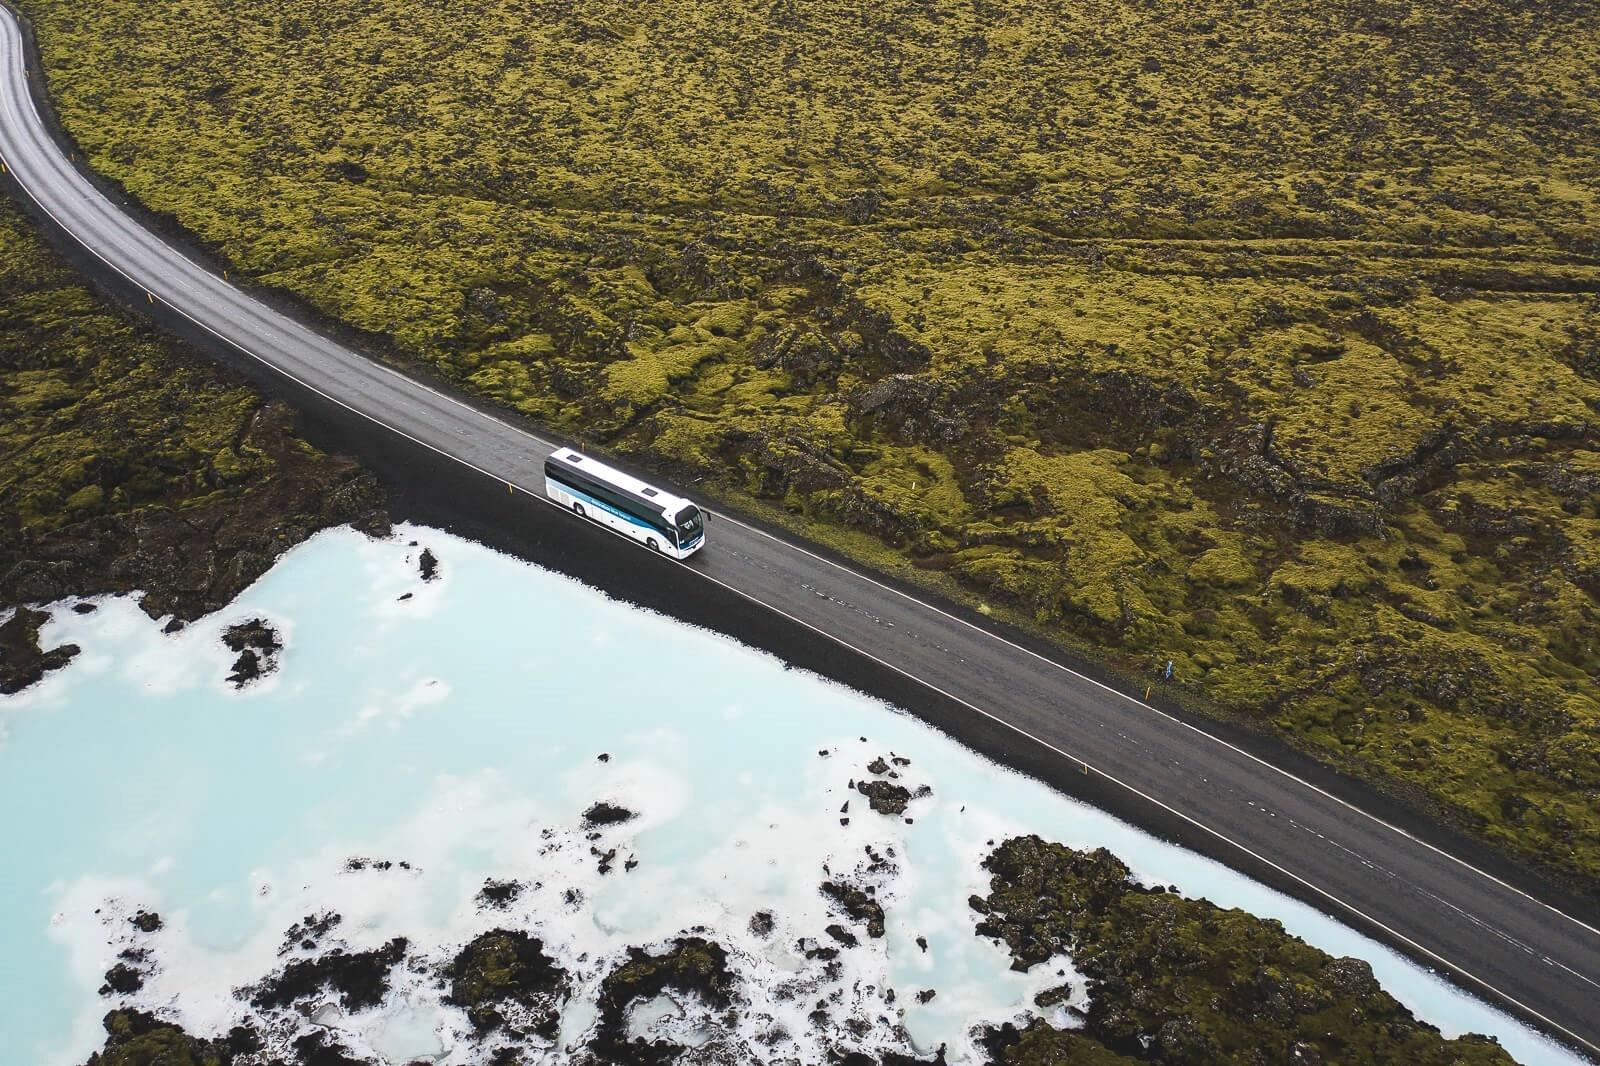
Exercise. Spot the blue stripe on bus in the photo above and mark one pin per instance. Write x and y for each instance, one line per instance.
(609, 508)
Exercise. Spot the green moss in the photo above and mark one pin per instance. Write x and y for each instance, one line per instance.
(505, 968)
(1260, 338)
(108, 432)
(134, 1038)
(1043, 1045)
(1182, 981)
(688, 966)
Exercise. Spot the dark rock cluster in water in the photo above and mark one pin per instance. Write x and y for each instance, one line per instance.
(857, 904)
(146, 921)
(603, 813)
(258, 645)
(498, 895)
(884, 793)
(1179, 981)
(22, 660)
(689, 966)
(1169, 982)
(359, 978)
(504, 979)
(127, 975)
(361, 862)
(885, 797)
(137, 1038)
(122, 980)
(308, 932)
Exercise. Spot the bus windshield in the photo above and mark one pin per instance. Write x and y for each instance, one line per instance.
(689, 523)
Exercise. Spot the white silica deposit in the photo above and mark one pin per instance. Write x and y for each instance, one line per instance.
(418, 739)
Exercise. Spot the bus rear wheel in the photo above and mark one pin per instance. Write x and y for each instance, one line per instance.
(577, 509)
(652, 545)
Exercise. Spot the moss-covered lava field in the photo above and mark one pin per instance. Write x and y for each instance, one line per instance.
(129, 463)
(1264, 338)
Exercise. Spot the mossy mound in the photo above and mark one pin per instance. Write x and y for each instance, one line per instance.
(1263, 339)
(504, 978)
(1182, 981)
(135, 1038)
(690, 966)
(1041, 1044)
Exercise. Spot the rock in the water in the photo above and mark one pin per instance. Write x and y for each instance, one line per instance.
(503, 968)
(357, 863)
(604, 813)
(22, 660)
(761, 923)
(886, 797)
(135, 1037)
(257, 644)
(428, 563)
(146, 921)
(857, 905)
(360, 978)
(499, 894)
(246, 668)
(308, 932)
(690, 966)
(122, 980)
(1183, 980)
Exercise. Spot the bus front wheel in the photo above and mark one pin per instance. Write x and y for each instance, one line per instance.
(652, 545)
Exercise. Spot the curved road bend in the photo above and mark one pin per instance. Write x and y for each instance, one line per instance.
(1540, 962)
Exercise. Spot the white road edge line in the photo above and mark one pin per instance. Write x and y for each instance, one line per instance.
(926, 684)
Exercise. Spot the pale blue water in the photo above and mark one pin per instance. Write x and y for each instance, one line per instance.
(459, 731)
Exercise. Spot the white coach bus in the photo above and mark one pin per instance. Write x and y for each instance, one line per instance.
(665, 523)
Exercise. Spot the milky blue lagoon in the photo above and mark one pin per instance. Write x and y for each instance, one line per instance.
(459, 731)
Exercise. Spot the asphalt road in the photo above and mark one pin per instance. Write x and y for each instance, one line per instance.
(1541, 962)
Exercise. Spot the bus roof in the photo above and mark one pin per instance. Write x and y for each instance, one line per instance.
(670, 504)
